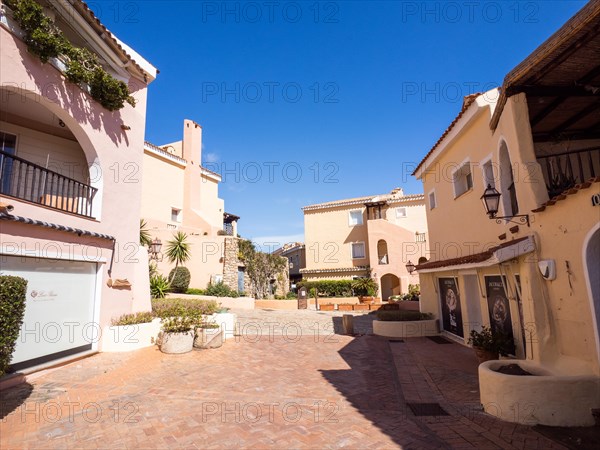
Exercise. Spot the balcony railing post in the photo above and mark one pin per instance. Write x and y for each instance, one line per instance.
(47, 187)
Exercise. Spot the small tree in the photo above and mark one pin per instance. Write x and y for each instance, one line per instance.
(178, 249)
(261, 267)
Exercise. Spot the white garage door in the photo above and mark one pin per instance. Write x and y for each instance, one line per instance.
(59, 310)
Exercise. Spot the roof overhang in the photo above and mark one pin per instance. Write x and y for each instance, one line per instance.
(561, 80)
(497, 255)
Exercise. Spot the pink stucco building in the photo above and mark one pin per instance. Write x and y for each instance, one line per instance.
(70, 188)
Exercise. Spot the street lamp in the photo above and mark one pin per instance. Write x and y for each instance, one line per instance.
(491, 202)
(155, 250)
(410, 267)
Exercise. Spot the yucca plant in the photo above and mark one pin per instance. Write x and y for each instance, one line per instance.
(145, 237)
(178, 249)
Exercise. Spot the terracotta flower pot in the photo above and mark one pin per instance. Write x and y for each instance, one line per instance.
(344, 307)
(326, 307)
(485, 355)
(375, 306)
(363, 307)
(366, 299)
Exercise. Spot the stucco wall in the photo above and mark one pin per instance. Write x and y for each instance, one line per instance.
(162, 182)
(329, 238)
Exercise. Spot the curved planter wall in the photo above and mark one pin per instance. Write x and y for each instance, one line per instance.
(406, 329)
(545, 399)
(126, 338)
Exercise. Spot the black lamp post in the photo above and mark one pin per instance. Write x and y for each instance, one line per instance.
(491, 202)
(410, 267)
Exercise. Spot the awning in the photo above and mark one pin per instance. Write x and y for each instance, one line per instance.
(496, 255)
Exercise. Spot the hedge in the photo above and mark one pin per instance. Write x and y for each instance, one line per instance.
(178, 307)
(13, 292)
(330, 288)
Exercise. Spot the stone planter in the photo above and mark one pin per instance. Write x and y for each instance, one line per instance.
(326, 307)
(406, 329)
(556, 399)
(342, 307)
(126, 338)
(175, 343)
(208, 338)
(361, 307)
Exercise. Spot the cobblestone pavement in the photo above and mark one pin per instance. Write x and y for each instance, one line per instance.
(263, 391)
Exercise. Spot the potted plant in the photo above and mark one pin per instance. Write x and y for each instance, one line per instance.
(488, 345)
(177, 335)
(366, 289)
(208, 335)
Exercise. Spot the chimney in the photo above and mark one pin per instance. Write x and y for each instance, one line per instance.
(192, 142)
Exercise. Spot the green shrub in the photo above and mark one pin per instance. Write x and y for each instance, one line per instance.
(13, 292)
(365, 287)
(180, 279)
(133, 319)
(221, 290)
(45, 40)
(195, 291)
(179, 307)
(178, 325)
(402, 316)
(159, 286)
(291, 296)
(328, 288)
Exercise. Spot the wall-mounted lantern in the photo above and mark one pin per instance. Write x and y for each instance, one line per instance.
(491, 202)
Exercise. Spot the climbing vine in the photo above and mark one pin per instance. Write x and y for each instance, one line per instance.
(45, 40)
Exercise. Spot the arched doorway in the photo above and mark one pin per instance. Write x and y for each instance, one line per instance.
(592, 263)
(390, 285)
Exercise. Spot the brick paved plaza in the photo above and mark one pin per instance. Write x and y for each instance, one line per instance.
(313, 389)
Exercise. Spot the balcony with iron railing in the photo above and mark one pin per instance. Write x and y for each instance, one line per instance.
(31, 182)
(562, 171)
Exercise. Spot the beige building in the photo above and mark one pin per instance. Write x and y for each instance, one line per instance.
(181, 195)
(295, 252)
(533, 270)
(375, 235)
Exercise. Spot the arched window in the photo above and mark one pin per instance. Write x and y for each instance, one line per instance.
(382, 252)
(507, 183)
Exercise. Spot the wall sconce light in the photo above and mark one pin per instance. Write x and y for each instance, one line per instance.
(410, 267)
(155, 247)
(491, 202)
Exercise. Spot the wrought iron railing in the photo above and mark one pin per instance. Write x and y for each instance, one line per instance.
(28, 181)
(562, 171)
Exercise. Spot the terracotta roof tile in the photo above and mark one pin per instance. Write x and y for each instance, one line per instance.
(469, 259)
(467, 101)
(565, 194)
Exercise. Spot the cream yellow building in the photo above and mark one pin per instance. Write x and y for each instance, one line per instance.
(364, 236)
(533, 270)
(181, 195)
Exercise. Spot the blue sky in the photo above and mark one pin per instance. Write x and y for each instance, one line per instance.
(305, 102)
